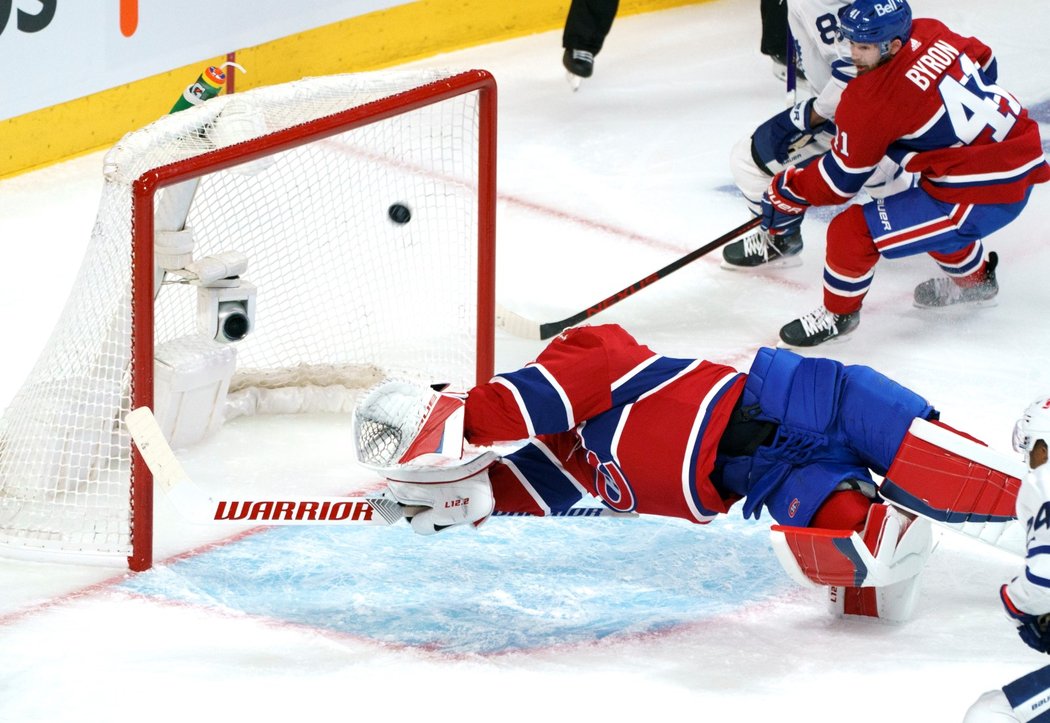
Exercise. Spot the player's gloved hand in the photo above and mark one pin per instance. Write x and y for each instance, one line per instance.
(1033, 629)
(432, 506)
(783, 134)
(782, 207)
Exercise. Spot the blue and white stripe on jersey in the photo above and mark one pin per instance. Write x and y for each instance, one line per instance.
(652, 374)
(542, 401)
(553, 488)
(1038, 558)
(601, 433)
(987, 179)
(840, 178)
(696, 436)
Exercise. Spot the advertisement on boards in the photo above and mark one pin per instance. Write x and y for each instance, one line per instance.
(53, 51)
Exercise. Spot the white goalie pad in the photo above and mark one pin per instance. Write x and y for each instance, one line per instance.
(892, 549)
(874, 575)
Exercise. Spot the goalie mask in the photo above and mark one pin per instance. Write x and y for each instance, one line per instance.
(397, 422)
(1033, 425)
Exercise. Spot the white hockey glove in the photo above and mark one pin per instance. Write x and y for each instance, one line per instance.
(433, 506)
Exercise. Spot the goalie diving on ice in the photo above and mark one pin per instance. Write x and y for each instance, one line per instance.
(598, 414)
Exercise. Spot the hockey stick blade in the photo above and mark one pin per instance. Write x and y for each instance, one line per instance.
(518, 325)
(196, 505)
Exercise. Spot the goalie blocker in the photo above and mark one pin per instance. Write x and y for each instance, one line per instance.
(939, 475)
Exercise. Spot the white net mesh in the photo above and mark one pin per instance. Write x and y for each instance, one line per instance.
(345, 294)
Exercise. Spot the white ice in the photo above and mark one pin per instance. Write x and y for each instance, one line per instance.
(597, 188)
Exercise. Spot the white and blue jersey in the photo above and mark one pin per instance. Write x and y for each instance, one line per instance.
(1030, 591)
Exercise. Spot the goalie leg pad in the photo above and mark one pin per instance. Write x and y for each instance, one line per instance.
(874, 574)
(947, 477)
(893, 547)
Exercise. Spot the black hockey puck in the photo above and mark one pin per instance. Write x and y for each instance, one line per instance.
(399, 213)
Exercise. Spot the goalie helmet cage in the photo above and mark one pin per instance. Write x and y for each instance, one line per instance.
(343, 281)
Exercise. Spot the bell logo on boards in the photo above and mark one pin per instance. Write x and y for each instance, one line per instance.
(27, 22)
(33, 22)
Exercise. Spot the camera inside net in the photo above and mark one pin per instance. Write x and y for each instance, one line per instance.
(226, 309)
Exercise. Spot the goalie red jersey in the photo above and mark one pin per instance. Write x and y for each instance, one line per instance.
(935, 109)
(607, 417)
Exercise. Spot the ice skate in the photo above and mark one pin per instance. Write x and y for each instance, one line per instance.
(763, 249)
(944, 291)
(579, 64)
(818, 326)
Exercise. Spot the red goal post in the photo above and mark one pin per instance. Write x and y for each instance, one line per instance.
(301, 182)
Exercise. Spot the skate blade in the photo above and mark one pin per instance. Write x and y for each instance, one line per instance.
(574, 81)
(962, 305)
(833, 341)
(787, 262)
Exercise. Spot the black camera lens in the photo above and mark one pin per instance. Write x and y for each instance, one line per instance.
(234, 323)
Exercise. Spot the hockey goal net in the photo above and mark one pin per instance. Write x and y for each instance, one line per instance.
(348, 222)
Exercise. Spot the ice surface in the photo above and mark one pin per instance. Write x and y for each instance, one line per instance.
(611, 619)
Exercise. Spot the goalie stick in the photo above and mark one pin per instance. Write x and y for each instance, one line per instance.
(520, 326)
(195, 504)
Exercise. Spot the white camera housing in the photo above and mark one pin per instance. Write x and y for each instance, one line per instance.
(226, 310)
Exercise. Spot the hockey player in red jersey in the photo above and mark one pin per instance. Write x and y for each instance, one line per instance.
(605, 416)
(926, 98)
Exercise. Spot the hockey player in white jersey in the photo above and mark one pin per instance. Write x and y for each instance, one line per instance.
(803, 132)
(1026, 598)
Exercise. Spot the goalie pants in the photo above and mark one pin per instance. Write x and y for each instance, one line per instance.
(833, 423)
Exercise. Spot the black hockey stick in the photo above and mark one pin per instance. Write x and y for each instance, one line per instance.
(520, 326)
